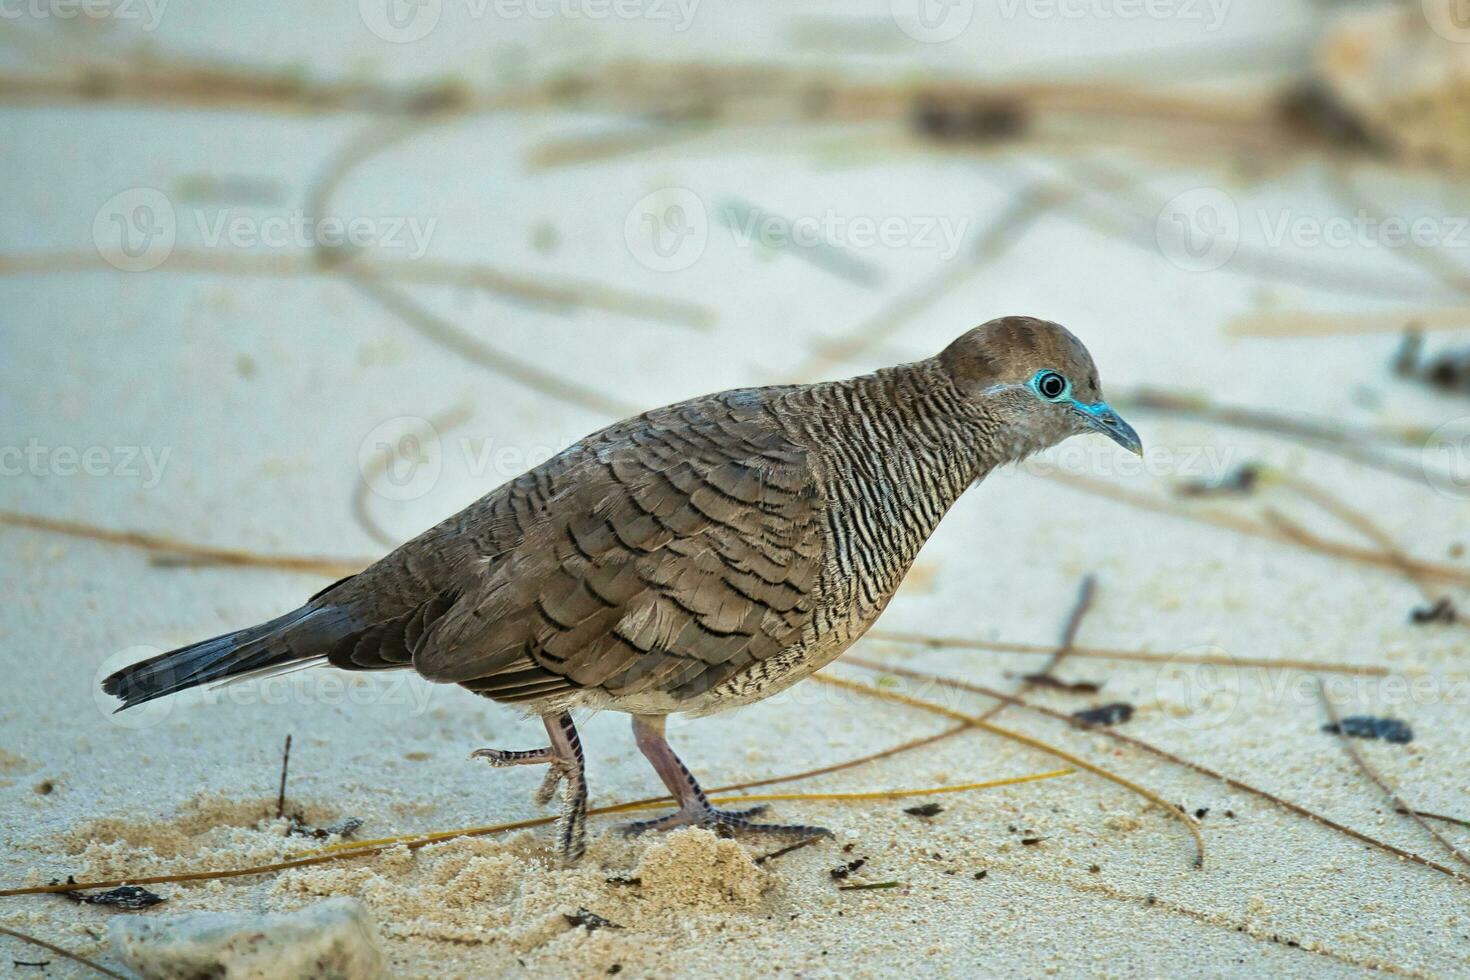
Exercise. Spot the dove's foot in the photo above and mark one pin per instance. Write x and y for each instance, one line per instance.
(565, 768)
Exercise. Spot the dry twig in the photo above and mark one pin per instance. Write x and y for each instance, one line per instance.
(1165, 754)
(1393, 795)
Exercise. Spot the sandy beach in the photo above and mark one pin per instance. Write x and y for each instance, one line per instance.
(238, 395)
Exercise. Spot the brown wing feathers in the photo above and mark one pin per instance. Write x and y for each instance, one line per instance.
(684, 551)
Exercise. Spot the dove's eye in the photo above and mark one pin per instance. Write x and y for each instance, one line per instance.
(1051, 386)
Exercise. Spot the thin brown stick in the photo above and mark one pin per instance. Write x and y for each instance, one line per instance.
(1364, 525)
(356, 849)
(1085, 594)
(1189, 822)
(1231, 522)
(1304, 324)
(68, 954)
(1388, 790)
(1357, 445)
(519, 825)
(285, 766)
(917, 743)
(1080, 608)
(557, 294)
(1099, 653)
(1457, 821)
(167, 546)
(1168, 756)
(1309, 429)
(476, 351)
(782, 851)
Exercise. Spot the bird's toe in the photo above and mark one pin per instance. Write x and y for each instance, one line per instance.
(514, 757)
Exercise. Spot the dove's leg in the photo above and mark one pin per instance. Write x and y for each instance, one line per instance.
(694, 808)
(563, 757)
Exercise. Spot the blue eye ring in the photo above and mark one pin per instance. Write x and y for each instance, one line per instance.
(1051, 386)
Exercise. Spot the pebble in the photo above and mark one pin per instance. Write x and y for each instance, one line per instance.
(330, 940)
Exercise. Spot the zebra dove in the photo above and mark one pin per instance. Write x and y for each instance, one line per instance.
(691, 559)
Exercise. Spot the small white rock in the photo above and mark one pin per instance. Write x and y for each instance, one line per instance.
(331, 940)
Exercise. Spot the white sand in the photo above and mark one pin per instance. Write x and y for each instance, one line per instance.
(262, 392)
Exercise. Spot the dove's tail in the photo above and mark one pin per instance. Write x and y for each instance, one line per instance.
(303, 635)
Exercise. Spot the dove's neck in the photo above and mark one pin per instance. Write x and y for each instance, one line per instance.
(898, 450)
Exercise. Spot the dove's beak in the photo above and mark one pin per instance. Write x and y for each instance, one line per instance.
(1100, 416)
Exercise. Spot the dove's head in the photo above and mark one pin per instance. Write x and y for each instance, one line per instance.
(1030, 384)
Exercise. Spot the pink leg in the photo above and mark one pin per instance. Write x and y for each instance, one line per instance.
(694, 807)
(564, 757)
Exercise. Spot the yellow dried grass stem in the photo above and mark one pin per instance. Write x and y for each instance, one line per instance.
(880, 794)
(353, 849)
(1105, 653)
(1189, 822)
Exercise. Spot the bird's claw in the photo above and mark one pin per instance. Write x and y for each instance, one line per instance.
(729, 821)
(557, 768)
(514, 757)
(572, 833)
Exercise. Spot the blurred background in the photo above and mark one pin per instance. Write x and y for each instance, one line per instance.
(282, 285)
(257, 248)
